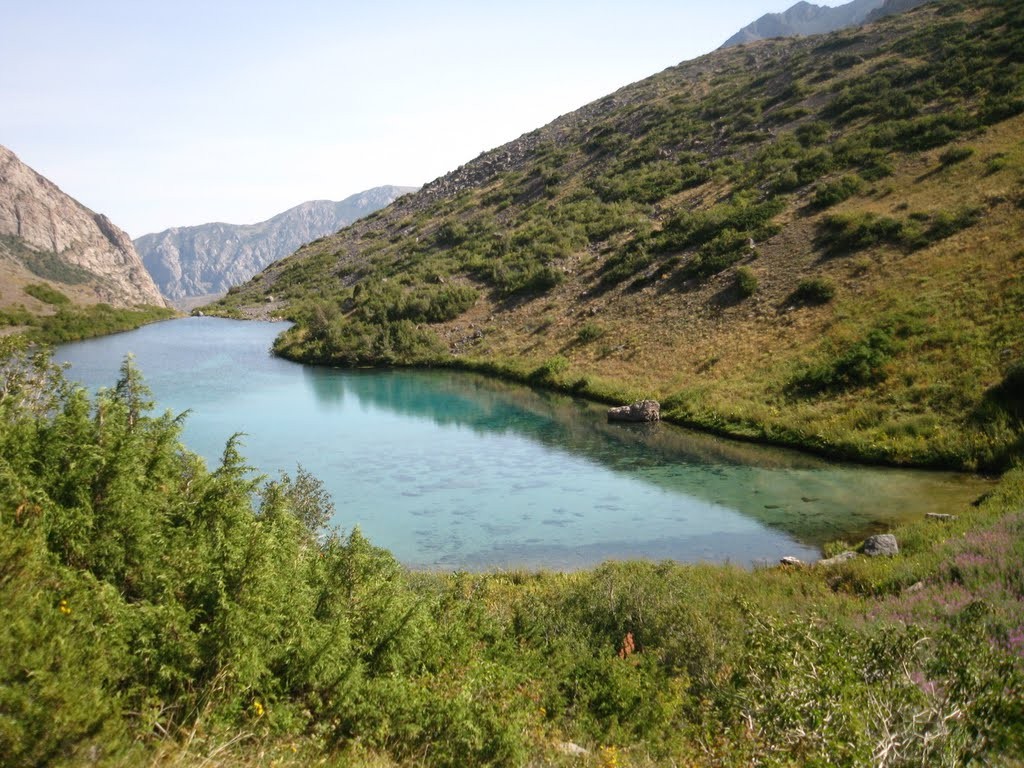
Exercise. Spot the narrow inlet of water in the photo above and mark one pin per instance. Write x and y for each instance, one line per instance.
(456, 470)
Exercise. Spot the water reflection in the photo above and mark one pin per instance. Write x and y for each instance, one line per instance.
(449, 469)
(810, 499)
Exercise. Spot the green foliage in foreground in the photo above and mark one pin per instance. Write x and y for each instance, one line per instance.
(154, 609)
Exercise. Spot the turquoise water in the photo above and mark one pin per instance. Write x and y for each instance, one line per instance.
(455, 470)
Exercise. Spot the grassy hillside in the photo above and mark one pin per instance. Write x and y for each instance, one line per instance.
(160, 613)
(53, 301)
(814, 242)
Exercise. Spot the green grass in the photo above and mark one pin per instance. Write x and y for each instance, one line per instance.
(76, 322)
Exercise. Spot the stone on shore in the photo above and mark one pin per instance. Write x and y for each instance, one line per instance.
(842, 557)
(884, 544)
(640, 411)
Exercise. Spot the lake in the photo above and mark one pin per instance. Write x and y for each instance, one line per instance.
(460, 471)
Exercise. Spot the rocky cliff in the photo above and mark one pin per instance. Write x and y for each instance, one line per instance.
(805, 19)
(48, 236)
(210, 258)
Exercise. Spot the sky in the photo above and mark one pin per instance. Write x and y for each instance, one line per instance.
(164, 114)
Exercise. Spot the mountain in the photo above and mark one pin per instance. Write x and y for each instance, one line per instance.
(48, 238)
(813, 241)
(890, 7)
(807, 19)
(210, 258)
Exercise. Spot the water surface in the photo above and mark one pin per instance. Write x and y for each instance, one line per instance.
(455, 470)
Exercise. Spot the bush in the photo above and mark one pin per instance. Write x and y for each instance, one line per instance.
(589, 332)
(738, 220)
(746, 282)
(839, 234)
(834, 192)
(451, 233)
(548, 372)
(955, 155)
(1009, 393)
(46, 294)
(858, 365)
(813, 291)
(511, 278)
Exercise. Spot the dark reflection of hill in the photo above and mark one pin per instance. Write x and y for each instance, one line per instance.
(808, 498)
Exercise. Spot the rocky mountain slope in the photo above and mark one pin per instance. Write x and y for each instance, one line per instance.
(812, 241)
(808, 19)
(210, 258)
(48, 238)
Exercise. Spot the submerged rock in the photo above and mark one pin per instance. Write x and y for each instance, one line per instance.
(884, 544)
(640, 411)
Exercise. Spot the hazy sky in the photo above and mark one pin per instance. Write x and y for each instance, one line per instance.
(165, 114)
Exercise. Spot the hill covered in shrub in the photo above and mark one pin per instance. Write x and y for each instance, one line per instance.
(809, 241)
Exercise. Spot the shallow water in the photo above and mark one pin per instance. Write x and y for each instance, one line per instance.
(456, 470)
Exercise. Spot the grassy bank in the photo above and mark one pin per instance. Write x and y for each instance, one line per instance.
(160, 612)
(74, 322)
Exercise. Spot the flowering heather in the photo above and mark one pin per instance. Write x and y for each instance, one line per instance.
(1015, 641)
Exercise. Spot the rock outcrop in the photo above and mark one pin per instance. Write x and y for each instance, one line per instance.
(808, 19)
(640, 411)
(46, 235)
(210, 258)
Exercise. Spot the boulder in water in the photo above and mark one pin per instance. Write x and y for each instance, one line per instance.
(640, 411)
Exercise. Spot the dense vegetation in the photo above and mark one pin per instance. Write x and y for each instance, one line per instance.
(744, 230)
(156, 611)
(73, 322)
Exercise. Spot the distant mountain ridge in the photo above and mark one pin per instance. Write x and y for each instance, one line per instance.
(209, 258)
(48, 236)
(808, 19)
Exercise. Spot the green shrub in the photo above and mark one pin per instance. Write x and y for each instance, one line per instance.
(834, 192)
(845, 233)
(451, 233)
(728, 247)
(925, 229)
(955, 155)
(746, 282)
(512, 278)
(995, 163)
(814, 290)
(46, 294)
(813, 132)
(1009, 393)
(588, 332)
(736, 220)
(856, 365)
(550, 370)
